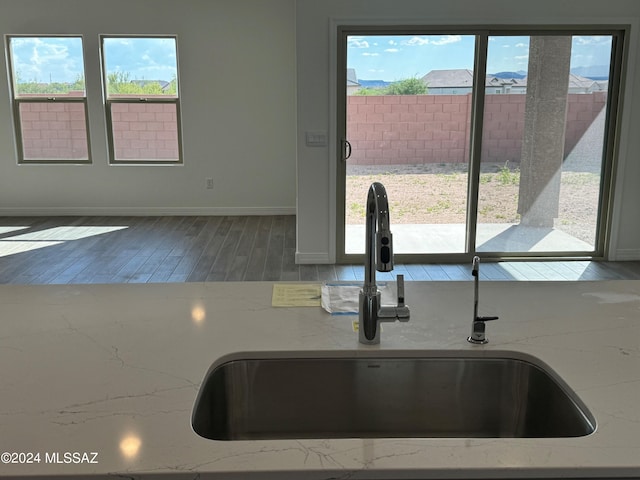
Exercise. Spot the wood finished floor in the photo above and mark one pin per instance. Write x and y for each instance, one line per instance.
(67, 250)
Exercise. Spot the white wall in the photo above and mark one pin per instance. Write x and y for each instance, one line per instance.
(315, 43)
(237, 73)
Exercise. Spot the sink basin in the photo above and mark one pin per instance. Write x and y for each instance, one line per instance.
(442, 394)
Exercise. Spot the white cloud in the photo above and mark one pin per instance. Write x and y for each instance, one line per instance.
(447, 39)
(368, 54)
(443, 40)
(418, 41)
(521, 57)
(521, 45)
(47, 52)
(392, 42)
(358, 42)
(592, 40)
(392, 50)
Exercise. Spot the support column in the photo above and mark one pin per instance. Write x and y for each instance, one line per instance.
(544, 130)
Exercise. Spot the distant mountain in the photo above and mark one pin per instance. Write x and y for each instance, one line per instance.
(518, 74)
(594, 72)
(373, 83)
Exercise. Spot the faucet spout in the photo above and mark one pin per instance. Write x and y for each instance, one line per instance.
(379, 241)
(478, 336)
(378, 256)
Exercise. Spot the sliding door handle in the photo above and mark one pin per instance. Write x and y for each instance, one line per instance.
(346, 148)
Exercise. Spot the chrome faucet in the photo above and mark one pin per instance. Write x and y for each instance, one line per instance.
(478, 328)
(378, 256)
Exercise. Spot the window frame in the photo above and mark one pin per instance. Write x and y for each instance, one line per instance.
(17, 101)
(109, 102)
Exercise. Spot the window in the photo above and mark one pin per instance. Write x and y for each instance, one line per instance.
(140, 78)
(49, 99)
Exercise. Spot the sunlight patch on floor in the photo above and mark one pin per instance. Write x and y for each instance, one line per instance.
(9, 229)
(25, 242)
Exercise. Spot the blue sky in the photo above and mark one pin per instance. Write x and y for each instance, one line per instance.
(60, 59)
(45, 60)
(143, 58)
(395, 57)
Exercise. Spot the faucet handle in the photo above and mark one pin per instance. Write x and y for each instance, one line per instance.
(402, 310)
(400, 289)
(478, 336)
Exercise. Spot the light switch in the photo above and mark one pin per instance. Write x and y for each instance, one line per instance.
(316, 139)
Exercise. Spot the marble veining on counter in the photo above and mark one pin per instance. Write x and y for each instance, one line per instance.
(113, 370)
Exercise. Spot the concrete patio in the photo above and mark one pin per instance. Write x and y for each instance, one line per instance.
(438, 238)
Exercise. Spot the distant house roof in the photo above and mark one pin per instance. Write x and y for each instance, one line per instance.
(464, 78)
(503, 82)
(578, 82)
(460, 78)
(352, 78)
(449, 78)
(163, 83)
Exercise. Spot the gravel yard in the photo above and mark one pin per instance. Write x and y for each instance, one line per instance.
(437, 194)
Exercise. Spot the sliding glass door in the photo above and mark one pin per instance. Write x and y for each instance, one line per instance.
(409, 132)
(543, 144)
(492, 142)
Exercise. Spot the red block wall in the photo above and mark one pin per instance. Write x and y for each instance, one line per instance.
(418, 129)
(57, 131)
(145, 131)
(54, 131)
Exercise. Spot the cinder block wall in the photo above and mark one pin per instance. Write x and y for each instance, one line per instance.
(419, 129)
(54, 131)
(57, 131)
(145, 131)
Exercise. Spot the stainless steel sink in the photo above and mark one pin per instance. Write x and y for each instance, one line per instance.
(433, 395)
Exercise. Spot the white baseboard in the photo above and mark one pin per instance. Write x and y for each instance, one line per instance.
(627, 254)
(312, 258)
(145, 211)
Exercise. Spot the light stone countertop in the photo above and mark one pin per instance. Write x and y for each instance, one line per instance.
(115, 369)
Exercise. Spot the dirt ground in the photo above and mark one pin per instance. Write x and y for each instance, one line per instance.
(437, 193)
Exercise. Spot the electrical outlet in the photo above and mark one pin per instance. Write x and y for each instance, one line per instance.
(209, 183)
